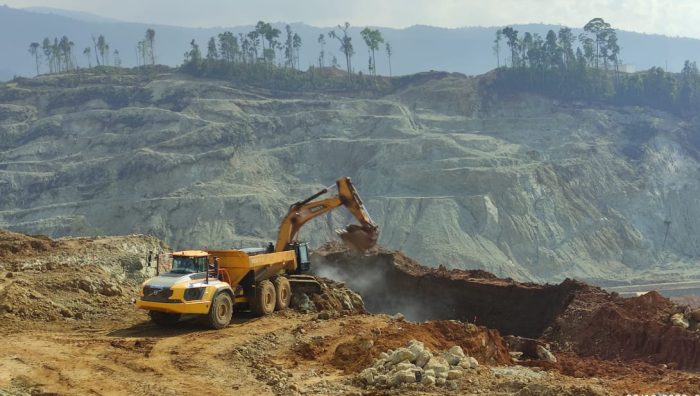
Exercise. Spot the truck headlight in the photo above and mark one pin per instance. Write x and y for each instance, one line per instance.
(194, 293)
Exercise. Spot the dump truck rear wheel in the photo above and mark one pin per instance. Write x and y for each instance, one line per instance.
(221, 311)
(164, 319)
(283, 290)
(265, 298)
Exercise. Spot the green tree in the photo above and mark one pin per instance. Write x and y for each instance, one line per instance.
(565, 40)
(289, 47)
(254, 42)
(270, 34)
(34, 51)
(345, 45)
(690, 82)
(389, 52)
(212, 53)
(588, 50)
(46, 48)
(613, 49)
(101, 48)
(228, 47)
(88, 55)
(553, 53)
(296, 44)
(497, 47)
(150, 40)
(372, 38)
(600, 29)
(512, 42)
(65, 48)
(322, 55)
(194, 55)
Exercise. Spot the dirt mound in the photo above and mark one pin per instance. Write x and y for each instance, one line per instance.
(16, 245)
(358, 347)
(390, 282)
(610, 327)
(572, 316)
(72, 278)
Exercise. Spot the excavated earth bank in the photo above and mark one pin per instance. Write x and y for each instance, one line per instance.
(573, 316)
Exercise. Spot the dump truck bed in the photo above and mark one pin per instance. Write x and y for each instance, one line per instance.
(237, 263)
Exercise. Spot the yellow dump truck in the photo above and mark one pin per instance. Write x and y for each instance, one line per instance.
(212, 283)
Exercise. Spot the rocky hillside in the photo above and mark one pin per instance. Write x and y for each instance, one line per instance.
(523, 186)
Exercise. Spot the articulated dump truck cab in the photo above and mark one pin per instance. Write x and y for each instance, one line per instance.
(212, 283)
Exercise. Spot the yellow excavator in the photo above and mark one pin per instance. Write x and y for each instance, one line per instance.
(210, 283)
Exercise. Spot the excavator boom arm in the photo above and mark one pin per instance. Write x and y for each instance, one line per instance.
(361, 237)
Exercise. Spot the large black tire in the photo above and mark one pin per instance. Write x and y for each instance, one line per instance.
(221, 311)
(264, 300)
(164, 319)
(283, 291)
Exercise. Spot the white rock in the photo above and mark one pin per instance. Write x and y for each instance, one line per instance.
(423, 358)
(472, 362)
(679, 320)
(440, 381)
(437, 364)
(428, 380)
(379, 363)
(417, 348)
(405, 366)
(400, 355)
(402, 377)
(368, 375)
(457, 350)
(544, 354)
(452, 358)
(454, 374)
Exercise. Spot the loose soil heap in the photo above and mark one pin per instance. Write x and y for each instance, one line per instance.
(573, 316)
(75, 278)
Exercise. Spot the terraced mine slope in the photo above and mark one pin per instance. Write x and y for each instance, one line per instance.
(523, 186)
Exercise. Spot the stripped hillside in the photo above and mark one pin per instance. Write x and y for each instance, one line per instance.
(523, 186)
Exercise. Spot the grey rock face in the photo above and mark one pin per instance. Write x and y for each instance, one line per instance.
(524, 187)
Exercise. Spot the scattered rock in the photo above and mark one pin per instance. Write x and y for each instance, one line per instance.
(416, 364)
(545, 354)
(695, 315)
(679, 320)
(454, 374)
(398, 317)
(302, 302)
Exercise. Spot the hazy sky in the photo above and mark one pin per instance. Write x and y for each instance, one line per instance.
(670, 17)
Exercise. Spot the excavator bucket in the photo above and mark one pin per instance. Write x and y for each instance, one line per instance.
(358, 237)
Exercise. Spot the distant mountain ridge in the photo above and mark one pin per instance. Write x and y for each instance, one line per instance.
(79, 15)
(418, 48)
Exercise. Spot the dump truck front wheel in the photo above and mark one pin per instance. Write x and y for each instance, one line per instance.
(221, 311)
(283, 291)
(265, 298)
(164, 319)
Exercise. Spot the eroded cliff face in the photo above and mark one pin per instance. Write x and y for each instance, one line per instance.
(523, 186)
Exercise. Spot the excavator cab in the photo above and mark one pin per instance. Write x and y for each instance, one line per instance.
(301, 249)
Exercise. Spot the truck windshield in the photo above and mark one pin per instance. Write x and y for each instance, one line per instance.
(185, 265)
